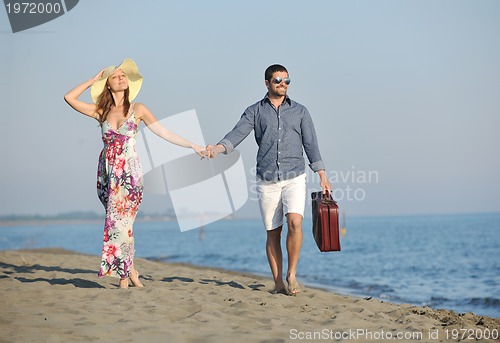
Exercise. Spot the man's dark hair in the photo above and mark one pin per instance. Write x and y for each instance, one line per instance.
(273, 69)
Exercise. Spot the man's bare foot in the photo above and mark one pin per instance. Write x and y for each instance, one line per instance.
(134, 278)
(293, 285)
(279, 288)
(124, 283)
(279, 291)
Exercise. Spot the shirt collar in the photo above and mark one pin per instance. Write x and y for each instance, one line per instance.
(266, 99)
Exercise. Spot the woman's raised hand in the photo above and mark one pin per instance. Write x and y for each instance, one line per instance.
(72, 97)
(98, 75)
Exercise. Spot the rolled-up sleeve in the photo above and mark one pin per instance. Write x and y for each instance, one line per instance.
(310, 143)
(240, 131)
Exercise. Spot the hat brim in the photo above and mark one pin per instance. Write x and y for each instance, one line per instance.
(129, 67)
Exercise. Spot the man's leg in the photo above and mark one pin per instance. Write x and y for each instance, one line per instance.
(271, 209)
(275, 257)
(293, 246)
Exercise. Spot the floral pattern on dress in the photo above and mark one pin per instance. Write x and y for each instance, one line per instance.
(119, 187)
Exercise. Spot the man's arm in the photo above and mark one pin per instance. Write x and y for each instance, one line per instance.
(234, 137)
(310, 143)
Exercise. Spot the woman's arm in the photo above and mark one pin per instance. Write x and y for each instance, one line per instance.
(72, 97)
(144, 114)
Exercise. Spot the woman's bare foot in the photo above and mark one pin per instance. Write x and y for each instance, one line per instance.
(124, 283)
(134, 278)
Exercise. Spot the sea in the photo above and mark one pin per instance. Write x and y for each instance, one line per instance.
(440, 261)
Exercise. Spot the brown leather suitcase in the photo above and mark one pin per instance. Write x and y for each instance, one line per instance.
(325, 213)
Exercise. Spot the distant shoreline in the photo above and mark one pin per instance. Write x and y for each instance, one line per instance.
(100, 220)
(62, 221)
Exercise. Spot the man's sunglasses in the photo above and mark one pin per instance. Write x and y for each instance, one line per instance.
(278, 80)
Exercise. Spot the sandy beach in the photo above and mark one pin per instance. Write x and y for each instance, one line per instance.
(54, 295)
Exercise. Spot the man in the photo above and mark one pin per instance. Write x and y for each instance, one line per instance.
(283, 129)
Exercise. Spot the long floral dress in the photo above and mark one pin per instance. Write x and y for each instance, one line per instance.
(119, 187)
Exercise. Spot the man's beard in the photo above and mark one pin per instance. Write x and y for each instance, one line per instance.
(279, 92)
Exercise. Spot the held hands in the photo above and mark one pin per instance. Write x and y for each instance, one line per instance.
(213, 151)
(210, 151)
(202, 152)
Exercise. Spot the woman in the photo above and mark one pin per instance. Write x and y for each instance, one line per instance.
(119, 174)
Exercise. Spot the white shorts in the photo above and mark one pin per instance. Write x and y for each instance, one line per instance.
(277, 199)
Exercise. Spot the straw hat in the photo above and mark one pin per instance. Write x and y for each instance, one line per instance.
(131, 71)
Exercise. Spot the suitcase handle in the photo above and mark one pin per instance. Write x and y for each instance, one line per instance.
(327, 198)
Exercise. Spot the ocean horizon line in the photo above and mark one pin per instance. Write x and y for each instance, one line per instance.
(91, 216)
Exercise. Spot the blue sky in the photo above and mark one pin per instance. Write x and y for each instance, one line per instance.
(408, 90)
